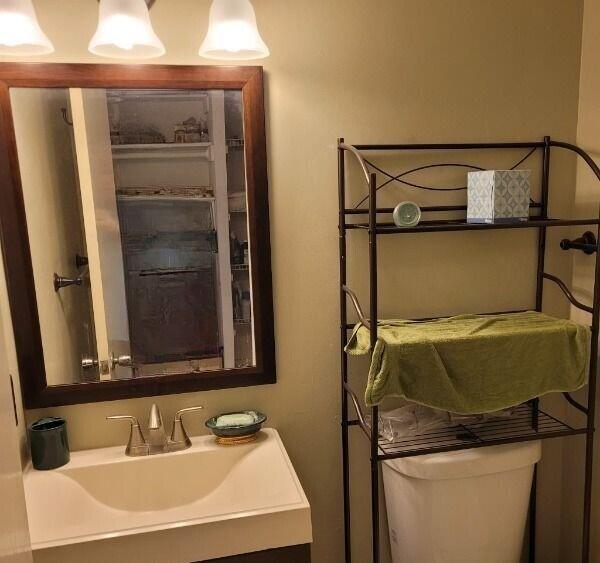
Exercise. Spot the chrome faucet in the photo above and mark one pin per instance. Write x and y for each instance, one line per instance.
(157, 442)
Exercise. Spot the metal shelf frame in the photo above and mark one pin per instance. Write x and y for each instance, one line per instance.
(529, 423)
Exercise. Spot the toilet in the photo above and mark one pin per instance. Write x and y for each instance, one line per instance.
(465, 506)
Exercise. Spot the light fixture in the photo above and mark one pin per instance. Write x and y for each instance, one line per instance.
(20, 32)
(232, 32)
(125, 31)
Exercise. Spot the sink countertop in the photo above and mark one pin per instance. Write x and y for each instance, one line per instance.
(233, 500)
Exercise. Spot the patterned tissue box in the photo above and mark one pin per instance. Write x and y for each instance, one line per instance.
(498, 196)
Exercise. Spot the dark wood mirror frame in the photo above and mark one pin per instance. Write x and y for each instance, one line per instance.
(15, 243)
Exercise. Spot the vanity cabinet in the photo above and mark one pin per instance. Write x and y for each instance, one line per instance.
(294, 554)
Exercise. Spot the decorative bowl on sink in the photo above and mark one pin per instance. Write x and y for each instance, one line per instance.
(229, 430)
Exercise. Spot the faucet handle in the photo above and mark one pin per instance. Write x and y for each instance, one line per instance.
(181, 412)
(179, 438)
(136, 446)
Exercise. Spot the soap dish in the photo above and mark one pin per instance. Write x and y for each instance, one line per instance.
(236, 433)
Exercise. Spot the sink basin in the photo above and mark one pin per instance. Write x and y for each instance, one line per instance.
(206, 502)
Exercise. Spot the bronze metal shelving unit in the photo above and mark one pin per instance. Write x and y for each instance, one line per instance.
(529, 421)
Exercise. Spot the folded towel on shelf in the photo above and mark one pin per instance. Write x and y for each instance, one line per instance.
(473, 364)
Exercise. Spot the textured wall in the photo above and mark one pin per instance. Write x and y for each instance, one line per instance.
(375, 71)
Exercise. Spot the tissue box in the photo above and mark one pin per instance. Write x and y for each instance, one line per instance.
(498, 196)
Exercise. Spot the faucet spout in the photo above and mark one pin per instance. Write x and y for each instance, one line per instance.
(157, 437)
(155, 418)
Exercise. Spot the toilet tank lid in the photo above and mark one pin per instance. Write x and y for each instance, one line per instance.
(469, 463)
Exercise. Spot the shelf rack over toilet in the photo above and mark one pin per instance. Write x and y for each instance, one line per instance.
(529, 422)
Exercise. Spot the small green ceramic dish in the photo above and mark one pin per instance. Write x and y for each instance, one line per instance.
(236, 430)
(407, 214)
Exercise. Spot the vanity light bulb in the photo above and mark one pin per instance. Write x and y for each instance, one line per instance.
(20, 32)
(125, 31)
(233, 33)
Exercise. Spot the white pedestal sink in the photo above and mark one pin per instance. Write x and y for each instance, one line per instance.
(206, 502)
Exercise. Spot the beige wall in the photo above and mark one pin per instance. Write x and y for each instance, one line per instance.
(586, 203)
(14, 538)
(373, 71)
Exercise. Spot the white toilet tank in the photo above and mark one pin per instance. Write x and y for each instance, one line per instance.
(468, 506)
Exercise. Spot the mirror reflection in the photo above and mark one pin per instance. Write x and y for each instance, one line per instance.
(137, 219)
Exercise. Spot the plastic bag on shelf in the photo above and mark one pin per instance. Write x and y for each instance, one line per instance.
(409, 420)
(412, 419)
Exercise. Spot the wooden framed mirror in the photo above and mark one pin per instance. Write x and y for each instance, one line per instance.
(135, 229)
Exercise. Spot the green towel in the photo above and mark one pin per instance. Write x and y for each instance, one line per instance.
(474, 364)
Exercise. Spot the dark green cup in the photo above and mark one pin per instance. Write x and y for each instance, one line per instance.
(49, 443)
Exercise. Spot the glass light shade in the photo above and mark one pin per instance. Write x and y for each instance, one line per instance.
(20, 32)
(125, 31)
(233, 33)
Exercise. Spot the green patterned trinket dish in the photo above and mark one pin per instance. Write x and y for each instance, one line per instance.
(407, 214)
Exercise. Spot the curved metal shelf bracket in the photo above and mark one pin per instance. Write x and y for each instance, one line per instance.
(563, 287)
(574, 148)
(573, 402)
(361, 419)
(359, 157)
(357, 307)
(365, 164)
(559, 144)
